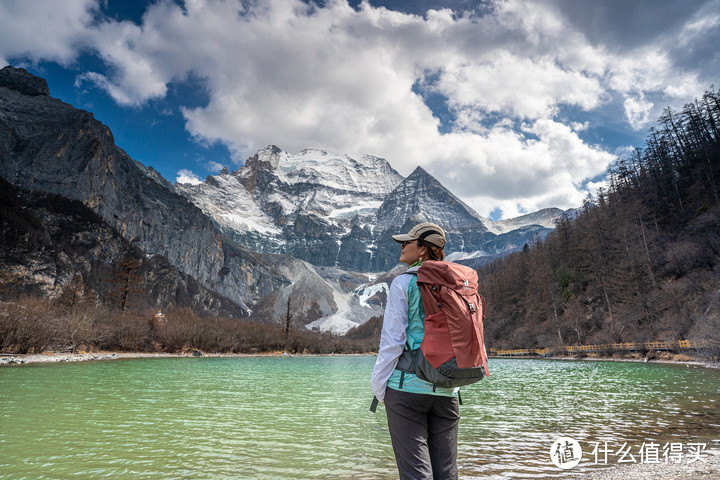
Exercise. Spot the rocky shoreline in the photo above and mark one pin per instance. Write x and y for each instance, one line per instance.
(689, 363)
(709, 469)
(57, 357)
(53, 357)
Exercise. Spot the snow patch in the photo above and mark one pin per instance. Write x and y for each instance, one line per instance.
(241, 223)
(455, 256)
(226, 200)
(360, 209)
(352, 310)
(364, 294)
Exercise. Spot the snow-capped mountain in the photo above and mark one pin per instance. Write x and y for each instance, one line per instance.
(545, 218)
(421, 198)
(302, 205)
(332, 187)
(333, 215)
(340, 211)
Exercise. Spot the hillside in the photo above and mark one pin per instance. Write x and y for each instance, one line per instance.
(640, 262)
(329, 216)
(50, 146)
(58, 248)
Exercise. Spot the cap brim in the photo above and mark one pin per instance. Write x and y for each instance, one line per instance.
(403, 238)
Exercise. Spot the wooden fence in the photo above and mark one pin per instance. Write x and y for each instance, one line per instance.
(677, 346)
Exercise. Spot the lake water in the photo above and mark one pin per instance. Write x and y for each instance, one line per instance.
(308, 418)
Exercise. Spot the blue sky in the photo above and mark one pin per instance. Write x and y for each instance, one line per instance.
(514, 105)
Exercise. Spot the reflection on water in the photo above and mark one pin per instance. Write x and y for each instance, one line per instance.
(308, 418)
(529, 403)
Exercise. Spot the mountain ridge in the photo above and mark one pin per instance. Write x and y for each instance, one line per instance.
(335, 210)
(48, 145)
(58, 247)
(327, 215)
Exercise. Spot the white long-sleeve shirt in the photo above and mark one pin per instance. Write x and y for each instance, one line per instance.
(394, 333)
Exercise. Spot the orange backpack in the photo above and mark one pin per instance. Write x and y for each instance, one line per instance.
(452, 352)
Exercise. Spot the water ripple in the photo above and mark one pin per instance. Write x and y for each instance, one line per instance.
(307, 418)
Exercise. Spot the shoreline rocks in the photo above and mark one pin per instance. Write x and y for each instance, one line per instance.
(32, 358)
(707, 470)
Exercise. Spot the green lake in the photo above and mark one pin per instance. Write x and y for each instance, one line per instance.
(308, 418)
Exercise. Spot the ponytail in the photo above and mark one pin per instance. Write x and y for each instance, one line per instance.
(434, 252)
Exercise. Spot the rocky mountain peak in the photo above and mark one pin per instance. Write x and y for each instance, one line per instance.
(22, 81)
(268, 158)
(422, 197)
(318, 151)
(420, 176)
(420, 172)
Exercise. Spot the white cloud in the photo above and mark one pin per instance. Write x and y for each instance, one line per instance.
(288, 73)
(705, 19)
(214, 167)
(187, 176)
(637, 110)
(517, 86)
(593, 187)
(520, 173)
(42, 30)
(624, 151)
(138, 73)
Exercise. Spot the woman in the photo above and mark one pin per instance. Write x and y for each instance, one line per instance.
(422, 419)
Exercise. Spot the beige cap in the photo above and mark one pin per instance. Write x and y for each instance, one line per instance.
(423, 231)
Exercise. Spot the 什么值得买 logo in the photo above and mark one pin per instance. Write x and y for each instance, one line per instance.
(565, 453)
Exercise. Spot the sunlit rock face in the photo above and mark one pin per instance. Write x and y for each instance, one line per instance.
(58, 248)
(48, 145)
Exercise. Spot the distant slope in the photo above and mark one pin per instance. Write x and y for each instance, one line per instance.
(52, 246)
(48, 145)
(640, 263)
(547, 218)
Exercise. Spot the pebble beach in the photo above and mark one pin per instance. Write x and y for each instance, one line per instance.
(707, 469)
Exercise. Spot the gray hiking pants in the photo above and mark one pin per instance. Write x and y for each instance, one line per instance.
(423, 430)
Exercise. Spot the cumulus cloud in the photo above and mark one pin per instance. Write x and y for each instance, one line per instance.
(543, 165)
(215, 167)
(515, 86)
(637, 111)
(187, 176)
(354, 80)
(593, 187)
(40, 30)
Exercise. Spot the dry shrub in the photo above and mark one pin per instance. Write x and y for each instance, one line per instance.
(684, 256)
(76, 326)
(28, 325)
(31, 324)
(180, 332)
(129, 331)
